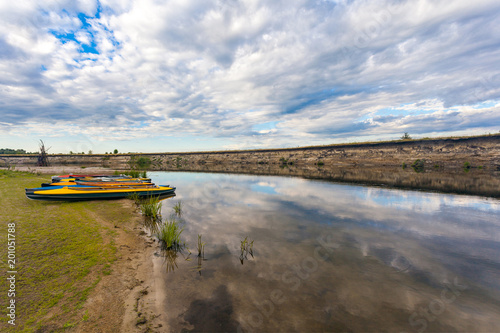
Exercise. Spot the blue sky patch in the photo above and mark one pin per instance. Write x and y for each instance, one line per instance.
(265, 126)
(263, 188)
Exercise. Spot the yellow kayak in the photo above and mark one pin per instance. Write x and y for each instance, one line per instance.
(72, 193)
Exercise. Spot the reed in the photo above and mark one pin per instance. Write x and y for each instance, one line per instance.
(151, 207)
(178, 209)
(201, 247)
(246, 248)
(170, 234)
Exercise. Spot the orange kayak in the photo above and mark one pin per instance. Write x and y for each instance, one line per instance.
(114, 184)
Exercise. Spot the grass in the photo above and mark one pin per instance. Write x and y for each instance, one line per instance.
(151, 207)
(61, 250)
(135, 197)
(170, 234)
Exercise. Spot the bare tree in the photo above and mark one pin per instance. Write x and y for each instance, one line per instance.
(43, 160)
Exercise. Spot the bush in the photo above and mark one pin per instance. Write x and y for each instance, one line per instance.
(418, 165)
(143, 162)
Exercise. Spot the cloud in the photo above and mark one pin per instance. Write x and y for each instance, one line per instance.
(319, 70)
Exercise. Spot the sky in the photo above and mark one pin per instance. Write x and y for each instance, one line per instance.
(185, 75)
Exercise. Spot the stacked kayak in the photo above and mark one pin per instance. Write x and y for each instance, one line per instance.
(70, 180)
(87, 187)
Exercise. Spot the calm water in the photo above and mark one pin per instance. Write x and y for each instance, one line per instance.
(330, 257)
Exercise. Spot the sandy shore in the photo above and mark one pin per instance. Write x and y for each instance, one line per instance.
(128, 299)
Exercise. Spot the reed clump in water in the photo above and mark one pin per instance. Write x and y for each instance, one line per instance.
(170, 234)
(151, 210)
(201, 255)
(201, 247)
(151, 207)
(246, 248)
(178, 209)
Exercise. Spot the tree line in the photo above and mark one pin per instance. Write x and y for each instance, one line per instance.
(13, 151)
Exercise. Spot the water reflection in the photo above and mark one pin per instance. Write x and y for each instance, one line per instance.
(333, 257)
(462, 181)
(170, 257)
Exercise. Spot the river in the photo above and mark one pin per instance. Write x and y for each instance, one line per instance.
(329, 257)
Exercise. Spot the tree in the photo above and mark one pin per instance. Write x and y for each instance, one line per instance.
(115, 151)
(406, 136)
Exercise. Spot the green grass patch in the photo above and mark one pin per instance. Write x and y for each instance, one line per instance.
(170, 234)
(151, 207)
(61, 253)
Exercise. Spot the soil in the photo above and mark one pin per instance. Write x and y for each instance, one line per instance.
(126, 300)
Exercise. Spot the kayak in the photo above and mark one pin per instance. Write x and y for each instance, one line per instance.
(55, 178)
(93, 177)
(74, 193)
(125, 182)
(115, 184)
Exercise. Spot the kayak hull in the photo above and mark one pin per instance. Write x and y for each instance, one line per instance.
(83, 193)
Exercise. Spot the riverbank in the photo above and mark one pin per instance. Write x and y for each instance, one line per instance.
(81, 266)
(471, 180)
(445, 153)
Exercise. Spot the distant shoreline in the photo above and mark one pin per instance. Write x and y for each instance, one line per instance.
(451, 139)
(442, 153)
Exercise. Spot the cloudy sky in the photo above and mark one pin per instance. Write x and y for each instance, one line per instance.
(190, 75)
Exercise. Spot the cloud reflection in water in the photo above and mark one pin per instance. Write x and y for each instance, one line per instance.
(395, 251)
